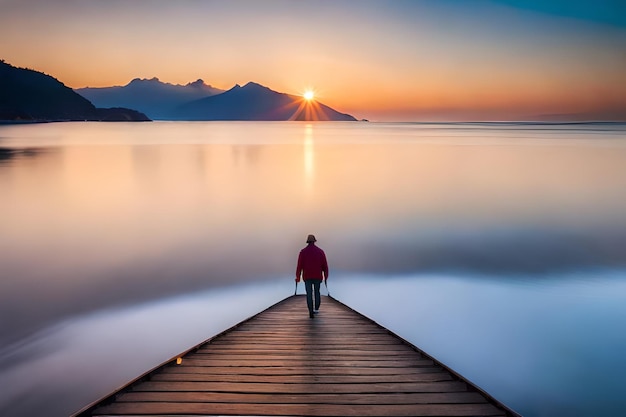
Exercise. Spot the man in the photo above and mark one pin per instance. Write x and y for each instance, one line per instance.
(312, 268)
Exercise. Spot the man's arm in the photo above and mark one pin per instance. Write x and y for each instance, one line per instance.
(324, 266)
(299, 268)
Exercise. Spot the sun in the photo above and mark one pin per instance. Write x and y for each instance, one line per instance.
(308, 95)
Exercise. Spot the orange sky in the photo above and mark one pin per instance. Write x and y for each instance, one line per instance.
(380, 60)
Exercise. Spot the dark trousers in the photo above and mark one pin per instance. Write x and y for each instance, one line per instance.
(313, 288)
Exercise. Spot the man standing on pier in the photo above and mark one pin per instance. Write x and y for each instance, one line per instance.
(312, 268)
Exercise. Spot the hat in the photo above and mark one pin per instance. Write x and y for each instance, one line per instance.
(310, 239)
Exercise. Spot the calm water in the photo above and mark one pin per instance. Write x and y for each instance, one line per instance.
(498, 249)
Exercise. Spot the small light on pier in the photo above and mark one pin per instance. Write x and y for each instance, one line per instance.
(179, 361)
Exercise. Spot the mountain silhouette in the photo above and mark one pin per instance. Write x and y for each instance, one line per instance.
(256, 102)
(150, 96)
(29, 95)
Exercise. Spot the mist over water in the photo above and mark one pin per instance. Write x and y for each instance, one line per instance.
(102, 221)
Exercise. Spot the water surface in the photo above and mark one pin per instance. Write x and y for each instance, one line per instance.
(497, 243)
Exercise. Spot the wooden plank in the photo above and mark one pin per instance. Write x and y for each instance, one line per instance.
(285, 363)
(309, 341)
(270, 345)
(252, 347)
(289, 332)
(167, 408)
(319, 356)
(307, 388)
(391, 363)
(302, 378)
(318, 352)
(291, 370)
(393, 398)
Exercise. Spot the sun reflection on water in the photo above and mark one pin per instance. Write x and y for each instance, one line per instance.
(309, 158)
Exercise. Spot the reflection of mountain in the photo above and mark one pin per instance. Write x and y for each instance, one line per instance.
(152, 97)
(7, 154)
(256, 102)
(30, 95)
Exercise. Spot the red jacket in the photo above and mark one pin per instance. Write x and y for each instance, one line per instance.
(312, 264)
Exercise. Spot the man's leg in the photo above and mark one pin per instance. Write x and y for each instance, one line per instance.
(318, 300)
(309, 296)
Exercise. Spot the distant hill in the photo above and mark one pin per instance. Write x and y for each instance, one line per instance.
(29, 95)
(150, 96)
(256, 102)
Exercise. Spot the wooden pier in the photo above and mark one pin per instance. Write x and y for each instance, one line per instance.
(282, 363)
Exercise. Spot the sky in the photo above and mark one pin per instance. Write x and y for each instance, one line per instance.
(382, 60)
